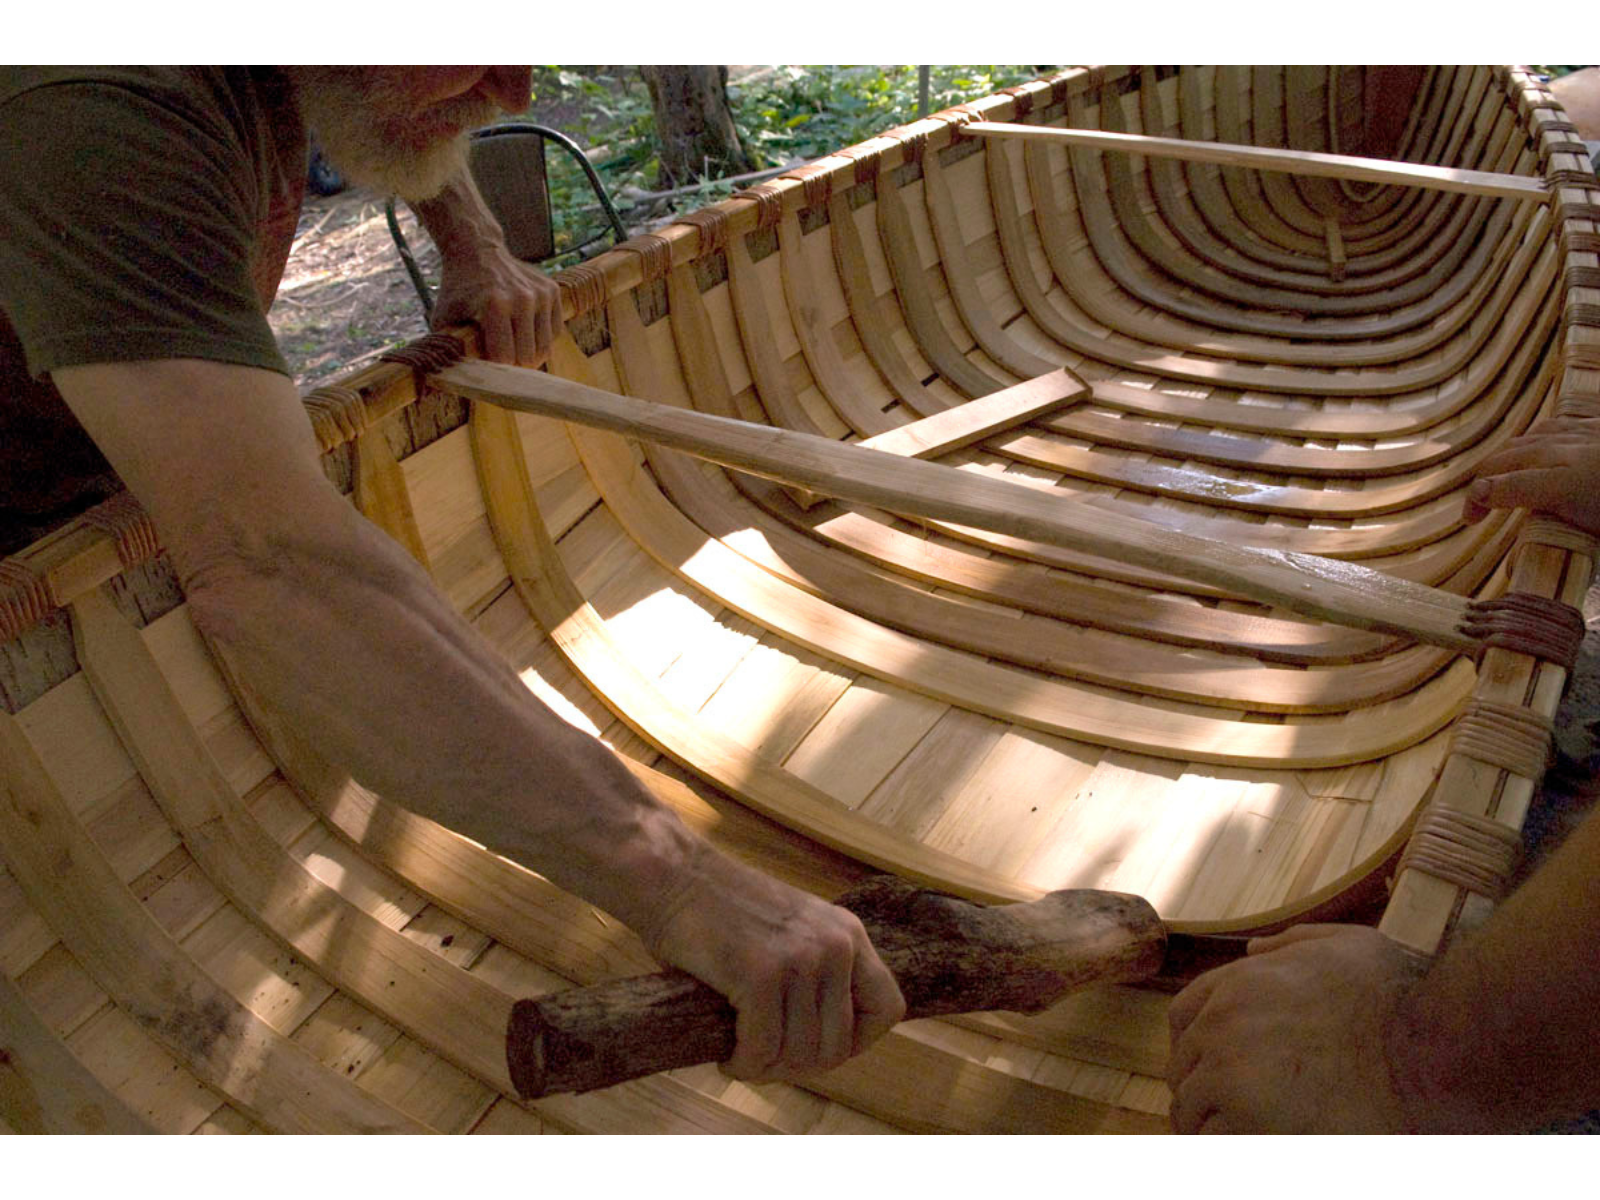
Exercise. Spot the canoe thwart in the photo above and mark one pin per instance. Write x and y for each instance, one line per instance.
(976, 419)
(1294, 162)
(948, 955)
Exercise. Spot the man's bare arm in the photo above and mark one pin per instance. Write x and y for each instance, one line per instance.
(516, 307)
(1333, 1029)
(337, 629)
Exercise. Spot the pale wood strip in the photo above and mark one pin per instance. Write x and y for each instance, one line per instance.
(975, 310)
(1124, 1028)
(756, 333)
(61, 993)
(1336, 259)
(912, 1085)
(822, 355)
(505, 1118)
(977, 419)
(995, 819)
(44, 1088)
(381, 493)
(912, 286)
(156, 982)
(137, 1067)
(1341, 592)
(773, 698)
(353, 1041)
(867, 311)
(229, 1121)
(912, 797)
(861, 737)
(405, 983)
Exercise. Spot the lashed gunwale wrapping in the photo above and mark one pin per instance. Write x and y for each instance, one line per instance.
(247, 927)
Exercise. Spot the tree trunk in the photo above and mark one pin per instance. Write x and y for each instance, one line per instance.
(693, 124)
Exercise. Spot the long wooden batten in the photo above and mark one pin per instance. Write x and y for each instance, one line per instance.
(1341, 592)
(1267, 158)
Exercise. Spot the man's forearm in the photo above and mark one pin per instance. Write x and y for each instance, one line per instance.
(459, 221)
(1501, 1033)
(421, 709)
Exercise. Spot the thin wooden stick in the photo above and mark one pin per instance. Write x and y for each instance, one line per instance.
(1294, 162)
(1341, 592)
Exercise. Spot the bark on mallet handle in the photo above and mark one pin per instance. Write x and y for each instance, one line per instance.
(949, 956)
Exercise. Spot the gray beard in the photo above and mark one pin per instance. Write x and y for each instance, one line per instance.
(341, 112)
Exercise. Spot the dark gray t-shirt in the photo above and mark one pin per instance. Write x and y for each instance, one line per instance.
(145, 213)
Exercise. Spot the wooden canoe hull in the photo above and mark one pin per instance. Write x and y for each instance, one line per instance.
(205, 927)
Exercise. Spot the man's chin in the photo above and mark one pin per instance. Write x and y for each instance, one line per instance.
(413, 175)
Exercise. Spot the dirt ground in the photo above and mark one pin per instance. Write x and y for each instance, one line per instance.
(345, 298)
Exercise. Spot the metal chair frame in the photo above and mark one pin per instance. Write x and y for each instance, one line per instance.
(509, 129)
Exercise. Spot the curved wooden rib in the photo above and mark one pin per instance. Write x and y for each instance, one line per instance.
(1088, 288)
(404, 982)
(44, 1088)
(153, 980)
(1441, 270)
(912, 287)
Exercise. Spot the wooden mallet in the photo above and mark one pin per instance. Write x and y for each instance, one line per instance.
(949, 956)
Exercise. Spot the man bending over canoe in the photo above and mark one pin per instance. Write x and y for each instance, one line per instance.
(145, 219)
(1330, 1028)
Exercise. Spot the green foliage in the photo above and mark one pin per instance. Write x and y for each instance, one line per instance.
(788, 114)
(806, 112)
